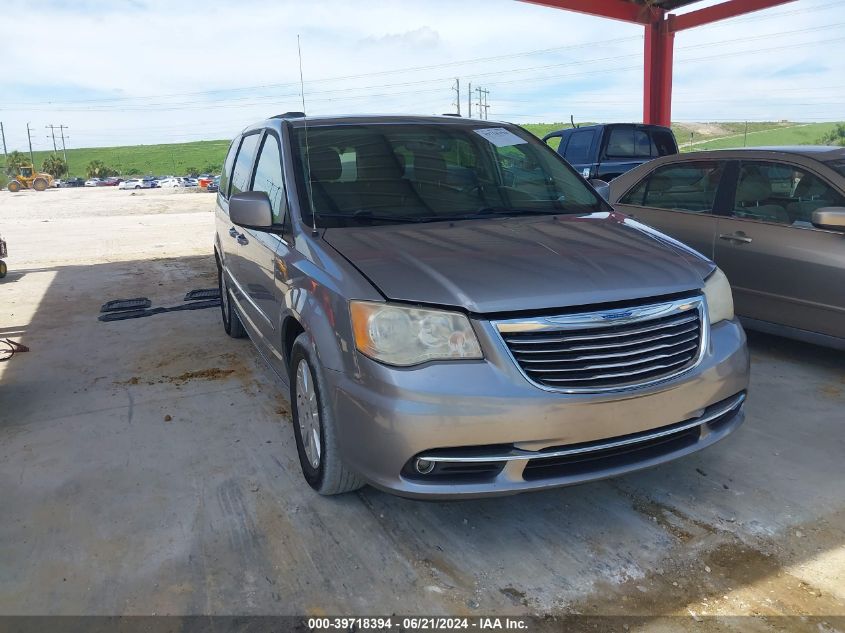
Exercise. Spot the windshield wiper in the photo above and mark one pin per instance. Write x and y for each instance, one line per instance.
(361, 216)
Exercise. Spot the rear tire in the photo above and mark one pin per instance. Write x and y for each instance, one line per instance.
(40, 184)
(314, 424)
(14, 186)
(3, 269)
(231, 321)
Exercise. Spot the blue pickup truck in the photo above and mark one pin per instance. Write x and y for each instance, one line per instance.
(608, 150)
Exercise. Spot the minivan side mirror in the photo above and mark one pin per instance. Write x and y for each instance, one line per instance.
(251, 210)
(831, 218)
(602, 188)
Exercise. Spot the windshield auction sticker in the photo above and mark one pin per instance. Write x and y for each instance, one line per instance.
(500, 137)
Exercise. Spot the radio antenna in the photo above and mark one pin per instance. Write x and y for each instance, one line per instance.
(307, 147)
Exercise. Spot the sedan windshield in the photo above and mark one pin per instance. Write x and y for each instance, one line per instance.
(352, 175)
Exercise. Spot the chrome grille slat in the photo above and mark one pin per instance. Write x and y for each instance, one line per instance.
(592, 336)
(620, 373)
(579, 348)
(573, 359)
(608, 349)
(629, 363)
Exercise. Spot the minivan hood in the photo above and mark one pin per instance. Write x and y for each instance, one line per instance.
(528, 263)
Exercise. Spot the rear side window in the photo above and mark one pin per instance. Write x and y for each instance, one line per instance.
(578, 148)
(225, 176)
(629, 142)
(243, 164)
(687, 187)
(664, 142)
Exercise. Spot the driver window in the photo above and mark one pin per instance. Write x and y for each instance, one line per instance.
(268, 177)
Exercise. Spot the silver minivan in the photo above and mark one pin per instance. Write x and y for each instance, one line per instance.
(455, 312)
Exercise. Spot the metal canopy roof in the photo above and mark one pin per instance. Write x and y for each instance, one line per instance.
(660, 28)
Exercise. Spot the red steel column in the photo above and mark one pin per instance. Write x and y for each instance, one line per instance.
(657, 66)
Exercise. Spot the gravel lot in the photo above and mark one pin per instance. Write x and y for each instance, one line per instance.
(148, 466)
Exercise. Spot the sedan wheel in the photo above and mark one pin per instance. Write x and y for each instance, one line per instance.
(308, 414)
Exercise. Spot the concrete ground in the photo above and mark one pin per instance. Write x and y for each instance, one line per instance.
(148, 466)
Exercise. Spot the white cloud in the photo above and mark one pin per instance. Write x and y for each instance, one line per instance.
(154, 57)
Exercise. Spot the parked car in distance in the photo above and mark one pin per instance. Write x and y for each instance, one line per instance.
(448, 328)
(135, 183)
(92, 182)
(72, 182)
(605, 151)
(214, 185)
(772, 218)
(171, 183)
(190, 182)
(111, 181)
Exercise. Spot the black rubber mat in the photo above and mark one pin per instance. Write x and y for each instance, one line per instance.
(137, 314)
(203, 293)
(126, 304)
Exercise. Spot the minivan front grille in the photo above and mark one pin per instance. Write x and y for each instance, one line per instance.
(608, 349)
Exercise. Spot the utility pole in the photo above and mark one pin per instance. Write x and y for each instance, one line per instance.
(5, 153)
(482, 102)
(29, 138)
(457, 89)
(64, 151)
(469, 100)
(53, 132)
(745, 138)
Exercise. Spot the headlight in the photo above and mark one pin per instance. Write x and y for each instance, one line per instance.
(398, 335)
(720, 302)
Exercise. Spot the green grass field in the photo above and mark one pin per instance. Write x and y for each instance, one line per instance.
(207, 156)
(169, 159)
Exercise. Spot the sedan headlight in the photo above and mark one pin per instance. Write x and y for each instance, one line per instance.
(720, 302)
(400, 335)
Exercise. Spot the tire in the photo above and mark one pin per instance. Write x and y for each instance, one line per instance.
(231, 321)
(3, 269)
(39, 184)
(14, 186)
(137, 186)
(322, 468)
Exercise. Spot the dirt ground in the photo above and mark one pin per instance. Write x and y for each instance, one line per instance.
(148, 466)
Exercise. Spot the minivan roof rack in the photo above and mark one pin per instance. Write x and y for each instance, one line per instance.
(289, 115)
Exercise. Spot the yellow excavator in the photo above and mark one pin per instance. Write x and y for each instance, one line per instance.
(28, 178)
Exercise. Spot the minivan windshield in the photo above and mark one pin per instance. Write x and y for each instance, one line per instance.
(389, 173)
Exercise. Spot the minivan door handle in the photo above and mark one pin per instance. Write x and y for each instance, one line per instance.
(242, 239)
(736, 237)
(233, 232)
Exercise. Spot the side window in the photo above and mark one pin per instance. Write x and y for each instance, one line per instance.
(554, 142)
(687, 187)
(578, 149)
(243, 164)
(664, 143)
(781, 193)
(629, 142)
(225, 176)
(268, 177)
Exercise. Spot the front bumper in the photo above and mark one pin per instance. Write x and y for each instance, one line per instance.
(486, 412)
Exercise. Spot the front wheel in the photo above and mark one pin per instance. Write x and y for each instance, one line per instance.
(14, 186)
(3, 269)
(231, 321)
(39, 184)
(314, 425)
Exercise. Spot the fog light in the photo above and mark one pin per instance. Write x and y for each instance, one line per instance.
(424, 466)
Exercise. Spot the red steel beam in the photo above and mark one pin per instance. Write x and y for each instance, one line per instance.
(613, 9)
(657, 78)
(728, 9)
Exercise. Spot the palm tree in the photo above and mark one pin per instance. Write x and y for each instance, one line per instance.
(54, 165)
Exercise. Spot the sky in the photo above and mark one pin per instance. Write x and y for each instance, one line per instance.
(152, 71)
